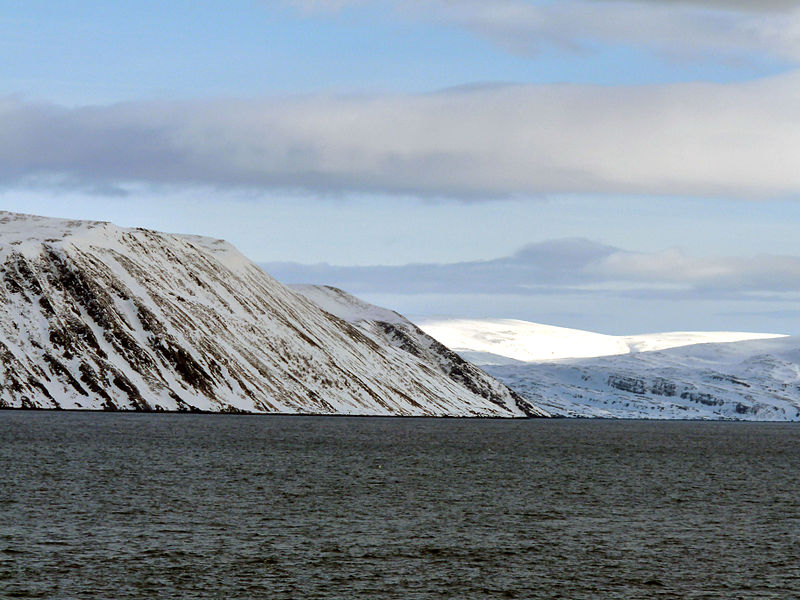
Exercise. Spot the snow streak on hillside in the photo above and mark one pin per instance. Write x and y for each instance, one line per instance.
(96, 316)
(393, 329)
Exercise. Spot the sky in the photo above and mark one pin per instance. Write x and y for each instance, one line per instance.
(611, 165)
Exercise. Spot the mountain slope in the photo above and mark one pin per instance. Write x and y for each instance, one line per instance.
(96, 316)
(388, 327)
(746, 380)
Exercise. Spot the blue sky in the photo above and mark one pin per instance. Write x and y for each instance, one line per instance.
(101, 52)
(428, 132)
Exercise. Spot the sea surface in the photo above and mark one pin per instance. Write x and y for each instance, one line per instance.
(110, 505)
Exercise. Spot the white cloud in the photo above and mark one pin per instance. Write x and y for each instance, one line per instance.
(728, 29)
(760, 273)
(688, 139)
(685, 30)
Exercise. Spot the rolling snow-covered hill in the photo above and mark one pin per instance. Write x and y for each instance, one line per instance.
(509, 341)
(749, 380)
(677, 375)
(97, 316)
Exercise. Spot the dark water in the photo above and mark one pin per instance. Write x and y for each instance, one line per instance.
(176, 506)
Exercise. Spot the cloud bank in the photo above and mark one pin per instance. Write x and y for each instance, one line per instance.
(572, 266)
(685, 139)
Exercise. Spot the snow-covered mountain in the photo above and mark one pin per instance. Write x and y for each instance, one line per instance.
(677, 375)
(395, 330)
(509, 341)
(97, 316)
(747, 380)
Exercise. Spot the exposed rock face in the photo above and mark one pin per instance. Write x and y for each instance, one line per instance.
(96, 316)
(389, 327)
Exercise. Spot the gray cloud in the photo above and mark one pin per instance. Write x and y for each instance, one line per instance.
(574, 267)
(537, 268)
(690, 139)
(585, 285)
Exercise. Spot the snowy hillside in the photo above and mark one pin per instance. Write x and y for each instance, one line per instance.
(747, 380)
(508, 341)
(674, 375)
(393, 329)
(96, 316)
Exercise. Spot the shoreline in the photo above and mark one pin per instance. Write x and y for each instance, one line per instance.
(558, 418)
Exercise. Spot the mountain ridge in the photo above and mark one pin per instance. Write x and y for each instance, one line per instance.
(98, 316)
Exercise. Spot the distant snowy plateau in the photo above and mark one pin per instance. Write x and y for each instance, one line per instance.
(677, 375)
(100, 317)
